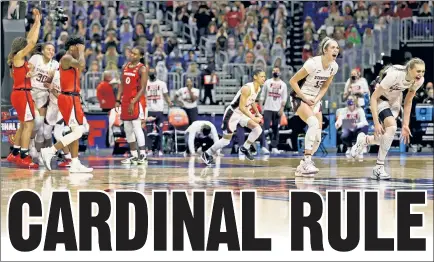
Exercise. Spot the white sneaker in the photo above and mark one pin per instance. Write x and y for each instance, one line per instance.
(265, 151)
(127, 161)
(160, 153)
(34, 153)
(275, 151)
(360, 157)
(306, 169)
(46, 155)
(78, 167)
(357, 149)
(378, 173)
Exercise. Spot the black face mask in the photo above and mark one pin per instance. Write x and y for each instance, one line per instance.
(276, 75)
(353, 78)
(152, 76)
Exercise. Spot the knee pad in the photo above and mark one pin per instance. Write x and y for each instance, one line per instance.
(76, 133)
(254, 134)
(391, 130)
(312, 122)
(48, 132)
(58, 132)
(318, 136)
(39, 123)
(138, 132)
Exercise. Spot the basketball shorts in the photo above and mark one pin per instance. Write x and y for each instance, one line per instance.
(138, 111)
(40, 97)
(387, 108)
(22, 101)
(71, 110)
(232, 118)
(296, 102)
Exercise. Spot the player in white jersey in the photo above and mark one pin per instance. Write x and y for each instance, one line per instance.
(274, 96)
(317, 74)
(385, 107)
(53, 118)
(42, 67)
(238, 112)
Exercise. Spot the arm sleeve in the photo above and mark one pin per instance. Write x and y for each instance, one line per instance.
(164, 88)
(264, 90)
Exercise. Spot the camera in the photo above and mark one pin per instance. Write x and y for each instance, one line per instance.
(59, 16)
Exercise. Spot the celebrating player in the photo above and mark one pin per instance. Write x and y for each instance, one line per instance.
(317, 74)
(385, 107)
(21, 97)
(43, 67)
(71, 65)
(132, 88)
(239, 113)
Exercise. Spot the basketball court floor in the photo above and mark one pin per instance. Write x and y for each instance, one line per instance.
(271, 177)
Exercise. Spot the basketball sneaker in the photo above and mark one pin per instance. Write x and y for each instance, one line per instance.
(27, 162)
(247, 153)
(47, 154)
(128, 161)
(357, 149)
(378, 173)
(306, 169)
(78, 167)
(207, 159)
(140, 160)
(65, 163)
(13, 159)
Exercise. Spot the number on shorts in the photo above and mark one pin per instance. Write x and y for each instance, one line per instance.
(127, 80)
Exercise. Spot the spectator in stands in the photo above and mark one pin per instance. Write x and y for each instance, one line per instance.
(357, 86)
(352, 119)
(309, 25)
(202, 19)
(105, 93)
(126, 34)
(354, 36)
(127, 17)
(249, 58)
(430, 98)
(231, 48)
(425, 10)
(80, 28)
(172, 43)
(403, 11)
(111, 55)
(239, 57)
(233, 18)
(159, 55)
(139, 30)
(111, 37)
(187, 98)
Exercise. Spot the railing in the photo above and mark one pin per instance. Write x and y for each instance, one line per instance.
(367, 54)
(419, 30)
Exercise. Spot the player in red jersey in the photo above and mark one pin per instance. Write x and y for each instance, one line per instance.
(71, 66)
(21, 98)
(133, 82)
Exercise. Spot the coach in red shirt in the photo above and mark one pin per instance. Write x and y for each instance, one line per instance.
(105, 93)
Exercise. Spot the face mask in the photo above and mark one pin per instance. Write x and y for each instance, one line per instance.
(350, 102)
(276, 75)
(152, 77)
(93, 45)
(353, 78)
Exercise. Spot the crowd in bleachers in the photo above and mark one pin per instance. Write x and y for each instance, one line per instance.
(352, 23)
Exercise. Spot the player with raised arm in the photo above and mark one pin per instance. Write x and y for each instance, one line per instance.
(238, 112)
(317, 74)
(71, 66)
(43, 67)
(132, 88)
(21, 97)
(385, 107)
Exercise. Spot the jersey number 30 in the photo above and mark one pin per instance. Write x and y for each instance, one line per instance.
(319, 84)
